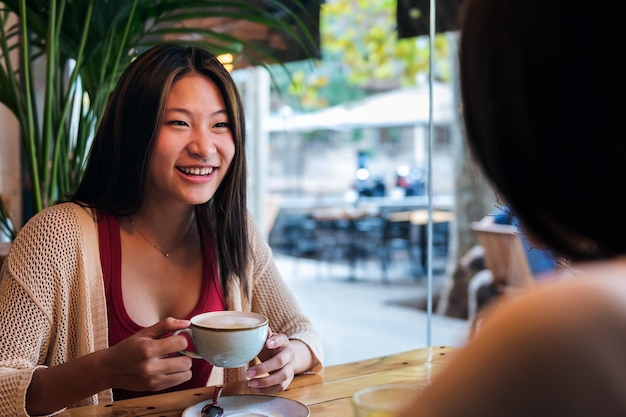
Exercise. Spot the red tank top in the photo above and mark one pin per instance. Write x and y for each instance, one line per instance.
(122, 326)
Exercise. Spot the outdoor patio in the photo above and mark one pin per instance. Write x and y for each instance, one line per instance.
(366, 318)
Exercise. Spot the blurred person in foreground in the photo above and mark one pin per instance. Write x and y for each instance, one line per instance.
(156, 232)
(543, 120)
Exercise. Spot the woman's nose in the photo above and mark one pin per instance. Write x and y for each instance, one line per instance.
(202, 145)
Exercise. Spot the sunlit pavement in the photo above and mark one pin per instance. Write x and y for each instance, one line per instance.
(364, 318)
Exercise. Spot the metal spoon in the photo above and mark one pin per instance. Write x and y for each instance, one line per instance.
(212, 409)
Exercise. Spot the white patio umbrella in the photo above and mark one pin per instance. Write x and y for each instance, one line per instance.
(403, 107)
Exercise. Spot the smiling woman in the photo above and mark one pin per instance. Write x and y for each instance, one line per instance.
(156, 233)
(194, 146)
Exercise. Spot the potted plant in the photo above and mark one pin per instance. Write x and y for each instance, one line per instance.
(82, 47)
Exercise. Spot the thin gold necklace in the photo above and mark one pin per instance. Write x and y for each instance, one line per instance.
(154, 245)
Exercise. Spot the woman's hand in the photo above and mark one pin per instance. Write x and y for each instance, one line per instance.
(281, 360)
(139, 363)
(143, 362)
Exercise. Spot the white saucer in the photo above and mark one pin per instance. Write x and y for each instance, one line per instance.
(254, 406)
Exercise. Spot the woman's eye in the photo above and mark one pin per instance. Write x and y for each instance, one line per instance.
(222, 125)
(176, 123)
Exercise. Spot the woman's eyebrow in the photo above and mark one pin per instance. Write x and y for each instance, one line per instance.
(187, 112)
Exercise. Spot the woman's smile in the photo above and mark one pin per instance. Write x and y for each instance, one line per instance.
(194, 172)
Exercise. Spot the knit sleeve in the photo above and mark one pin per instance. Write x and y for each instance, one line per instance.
(44, 299)
(272, 297)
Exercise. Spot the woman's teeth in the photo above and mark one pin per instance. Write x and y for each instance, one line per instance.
(196, 171)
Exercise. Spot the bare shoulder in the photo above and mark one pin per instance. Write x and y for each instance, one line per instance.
(591, 305)
(594, 289)
(560, 345)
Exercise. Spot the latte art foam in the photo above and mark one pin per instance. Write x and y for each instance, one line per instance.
(229, 321)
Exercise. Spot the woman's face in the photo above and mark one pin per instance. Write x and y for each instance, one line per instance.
(194, 145)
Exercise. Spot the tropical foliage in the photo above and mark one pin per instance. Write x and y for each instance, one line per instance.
(362, 54)
(82, 47)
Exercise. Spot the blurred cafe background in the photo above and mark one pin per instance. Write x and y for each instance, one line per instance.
(358, 172)
(351, 153)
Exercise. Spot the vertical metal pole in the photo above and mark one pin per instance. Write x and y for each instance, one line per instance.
(429, 187)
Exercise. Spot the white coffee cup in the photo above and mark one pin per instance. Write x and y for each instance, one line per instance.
(228, 339)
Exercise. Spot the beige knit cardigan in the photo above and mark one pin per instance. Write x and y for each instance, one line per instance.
(53, 308)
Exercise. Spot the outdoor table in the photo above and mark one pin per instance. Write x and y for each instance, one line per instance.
(343, 213)
(344, 222)
(326, 395)
(420, 218)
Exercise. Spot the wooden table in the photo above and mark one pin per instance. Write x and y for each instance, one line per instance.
(326, 396)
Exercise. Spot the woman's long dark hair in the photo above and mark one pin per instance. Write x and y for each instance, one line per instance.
(116, 173)
(541, 117)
